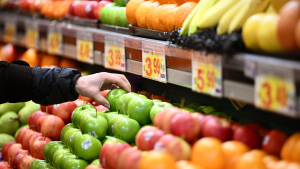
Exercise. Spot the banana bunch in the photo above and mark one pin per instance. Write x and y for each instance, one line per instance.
(227, 15)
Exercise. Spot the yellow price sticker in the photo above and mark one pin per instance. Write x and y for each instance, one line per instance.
(114, 56)
(154, 66)
(10, 30)
(274, 93)
(85, 51)
(54, 42)
(31, 38)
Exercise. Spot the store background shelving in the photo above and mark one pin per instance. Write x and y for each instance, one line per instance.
(236, 84)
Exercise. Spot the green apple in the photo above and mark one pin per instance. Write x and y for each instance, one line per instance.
(112, 97)
(87, 147)
(75, 164)
(112, 118)
(96, 162)
(68, 134)
(126, 129)
(188, 109)
(139, 109)
(104, 14)
(73, 141)
(207, 109)
(126, 100)
(63, 131)
(42, 164)
(123, 19)
(95, 126)
(120, 105)
(176, 104)
(158, 107)
(35, 163)
(110, 138)
(156, 101)
(53, 150)
(89, 113)
(78, 110)
(114, 19)
(193, 105)
(58, 154)
(76, 119)
(48, 147)
(65, 158)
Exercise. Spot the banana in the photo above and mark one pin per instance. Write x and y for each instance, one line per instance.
(212, 16)
(270, 9)
(206, 4)
(226, 18)
(250, 8)
(187, 21)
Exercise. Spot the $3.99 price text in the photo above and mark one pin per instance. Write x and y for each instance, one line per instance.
(114, 56)
(153, 67)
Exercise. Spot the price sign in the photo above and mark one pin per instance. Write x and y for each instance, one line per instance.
(10, 31)
(54, 42)
(85, 47)
(154, 62)
(114, 55)
(275, 90)
(32, 36)
(207, 73)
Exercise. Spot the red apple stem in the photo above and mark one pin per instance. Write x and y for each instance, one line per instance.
(34, 152)
(29, 152)
(33, 126)
(45, 136)
(182, 102)
(152, 96)
(164, 94)
(47, 110)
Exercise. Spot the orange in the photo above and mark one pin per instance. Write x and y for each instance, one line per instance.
(171, 2)
(149, 14)
(293, 166)
(207, 153)
(281, 165)
(179, 2)
(49, 60)
(31, 57)
(250, 160)
(131, 8)
(291, 148)
(171, 19)
(270, 161)
(68, 63)
(140, 14)
(182, 13)
(155, 16)
(186, 165)
(162, 1)
(163, 17)
(192, 1)
(157, 160)
(232, 151)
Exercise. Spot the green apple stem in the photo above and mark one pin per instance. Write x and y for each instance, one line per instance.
(33, 126)
(96, 113)
(182, 102)
(119, 111)
(14, 118)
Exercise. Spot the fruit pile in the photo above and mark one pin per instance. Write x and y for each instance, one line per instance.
(161, 15)
(14, 116)
(87, 9)
(114, 14)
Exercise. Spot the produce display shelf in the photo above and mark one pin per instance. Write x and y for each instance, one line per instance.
(238, 70)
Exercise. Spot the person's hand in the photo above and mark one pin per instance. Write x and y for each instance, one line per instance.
(90, 86)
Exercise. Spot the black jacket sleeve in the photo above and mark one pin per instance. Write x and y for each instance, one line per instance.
(20, 83)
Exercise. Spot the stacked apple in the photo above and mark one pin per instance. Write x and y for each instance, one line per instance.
(114, 14)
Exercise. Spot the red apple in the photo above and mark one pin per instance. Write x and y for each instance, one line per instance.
(168, 114)
(21, 134)
(199, 117)
(15, 162)
(25, 162)
(185, 126)
(64, 111)
(273, 142)
(79, 9)
(52, 126)
(147, 137)
(5, 149)
(129, 159)
(257, 126)
(32, 139)
(13, 149)
(104, 92)
(101, 108)
(17, 159)
(90, 8)
(26, 138)
(37, 149)
(8, 53)
(44, 109)
(93, 166)
(110, 156)
(176, 146)
(39, 122)
(248, 136)
(33, 119)
(206, 118)
(4, 165)
(72, 7)
(217, 127)
(86, 99)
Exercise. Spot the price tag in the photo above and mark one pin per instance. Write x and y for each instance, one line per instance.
(207, 73)
(10, 32)
(85, 47)
(275, 89)
(32, 36)
(154, 62)
(55, 41)
(114, 56)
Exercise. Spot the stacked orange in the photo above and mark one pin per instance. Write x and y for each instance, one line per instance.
(55, 9)
(160, 15)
